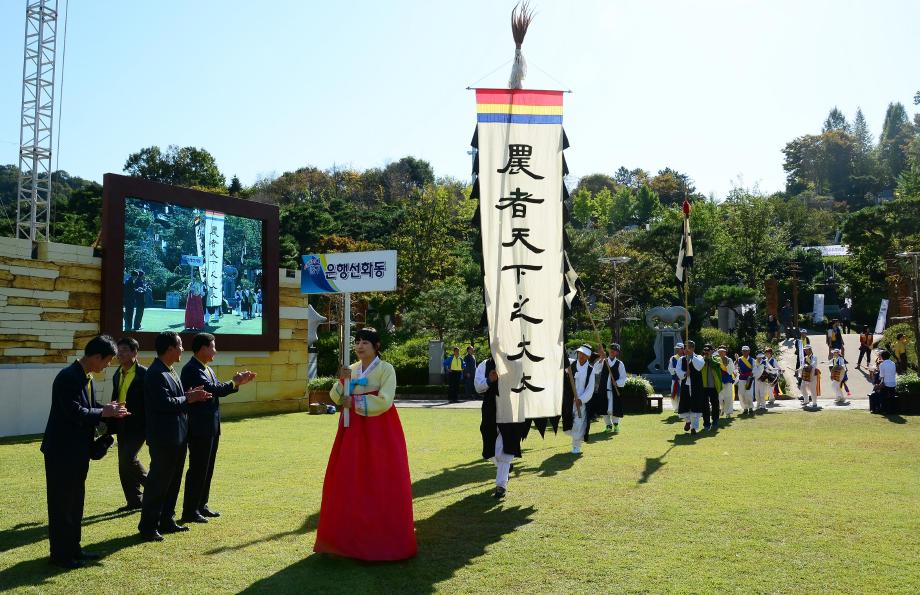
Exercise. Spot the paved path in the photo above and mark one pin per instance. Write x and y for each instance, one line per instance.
(858, 381)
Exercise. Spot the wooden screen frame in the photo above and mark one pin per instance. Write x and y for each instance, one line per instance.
(115, 189)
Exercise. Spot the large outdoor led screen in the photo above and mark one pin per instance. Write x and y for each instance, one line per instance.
(188, 261)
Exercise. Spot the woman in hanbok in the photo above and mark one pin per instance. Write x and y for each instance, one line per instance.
(366, 511)
(194, 306)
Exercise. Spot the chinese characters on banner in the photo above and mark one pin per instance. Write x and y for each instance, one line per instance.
(520, 175)
(213, 253)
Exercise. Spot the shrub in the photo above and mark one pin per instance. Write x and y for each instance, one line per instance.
(322, 382)
(890, 336)
(637, 387)
(410, 360)
(716, 337)
(909, 385)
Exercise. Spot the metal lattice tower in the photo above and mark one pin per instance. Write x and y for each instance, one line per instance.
(33, 208)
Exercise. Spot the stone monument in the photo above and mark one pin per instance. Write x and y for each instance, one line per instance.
(668, 324)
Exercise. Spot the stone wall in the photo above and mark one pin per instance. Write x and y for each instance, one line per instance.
(50, 308)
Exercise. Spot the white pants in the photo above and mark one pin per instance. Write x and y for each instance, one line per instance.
(578, 425)
(745, 396)
(809, 392)
(693, 418)
(727, 399)
(762, 390)
(502, 463)
(838, 391)
(610, 418)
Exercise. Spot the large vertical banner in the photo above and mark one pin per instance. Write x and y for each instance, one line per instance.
(214, 257)
(520, 141)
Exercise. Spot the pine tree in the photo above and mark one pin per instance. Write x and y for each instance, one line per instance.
(897, 133)
(862, 134)
(836, 121)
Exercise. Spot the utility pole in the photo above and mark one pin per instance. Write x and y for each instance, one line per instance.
(615, 315)
(794, 269)
(33, 205)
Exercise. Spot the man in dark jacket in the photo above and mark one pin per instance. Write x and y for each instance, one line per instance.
(66, 445)
(127, 301)
(469, 373)
(204, 426)
(166, 407)
(129, 390)
(140, 299)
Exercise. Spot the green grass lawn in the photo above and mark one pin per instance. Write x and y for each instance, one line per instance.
(163, 319)
(790, 502)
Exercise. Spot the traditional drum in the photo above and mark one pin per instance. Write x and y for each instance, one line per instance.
(807, 372)
(837, 373)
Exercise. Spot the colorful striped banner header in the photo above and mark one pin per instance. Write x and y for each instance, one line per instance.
(518, 106)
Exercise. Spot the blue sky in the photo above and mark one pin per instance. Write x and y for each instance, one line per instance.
(714, 89)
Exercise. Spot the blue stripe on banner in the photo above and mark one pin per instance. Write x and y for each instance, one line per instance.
(519, 119)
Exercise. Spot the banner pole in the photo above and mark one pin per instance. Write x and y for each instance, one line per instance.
(346, 352)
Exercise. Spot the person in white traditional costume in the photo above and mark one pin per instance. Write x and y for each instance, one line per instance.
(838, 366)
(501, 442)
(583, 376)
(772, 363)
(727, 394)
(744, 366)
(610, 377)
(765, 376)
(692, 398)
(808, 373)
(672, 370)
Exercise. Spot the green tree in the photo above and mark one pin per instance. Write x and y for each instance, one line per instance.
(186, 166)
(447, 309)
(582, 203)
(897, 132)
(235, 188)
(672, 187)
(647, 204)
(836, 122)
(594, 183)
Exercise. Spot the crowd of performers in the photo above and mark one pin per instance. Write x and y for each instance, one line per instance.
(366, 510)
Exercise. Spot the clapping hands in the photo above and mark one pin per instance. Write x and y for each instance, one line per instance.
(241, 378)
(197, 394)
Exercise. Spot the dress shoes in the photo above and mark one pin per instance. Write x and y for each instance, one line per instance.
(499, 493)
(192, 518)
(172, 527)
(207, 512)
(129, 507)
(67, 564)
(86, 555)
(151, 535)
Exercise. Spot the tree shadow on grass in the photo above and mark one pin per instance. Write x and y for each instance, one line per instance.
(447, 542)
(27, 439)
(35, 573)
(28, 533)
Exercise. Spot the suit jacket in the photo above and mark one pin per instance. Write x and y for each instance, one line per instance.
(73, 417)
(134, 401)
(165, 407)
(204, 417)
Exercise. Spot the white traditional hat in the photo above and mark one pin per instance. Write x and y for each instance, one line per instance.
(585, 349)
(760, 354)
(679, 346)
(722, 349)
(745, 348)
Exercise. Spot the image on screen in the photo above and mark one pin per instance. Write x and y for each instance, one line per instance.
(191, 269)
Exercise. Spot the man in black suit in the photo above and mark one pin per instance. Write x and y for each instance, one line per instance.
(140, 299)
(166, 407)
(204, 427)
(66, 445)
(127, 301)
(129, 391)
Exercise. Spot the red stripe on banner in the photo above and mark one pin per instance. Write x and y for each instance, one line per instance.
(519, 97)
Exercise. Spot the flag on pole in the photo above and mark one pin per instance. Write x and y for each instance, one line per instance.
(685, 255)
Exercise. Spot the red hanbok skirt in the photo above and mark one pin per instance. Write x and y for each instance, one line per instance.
(367, 494)
(194, 312)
